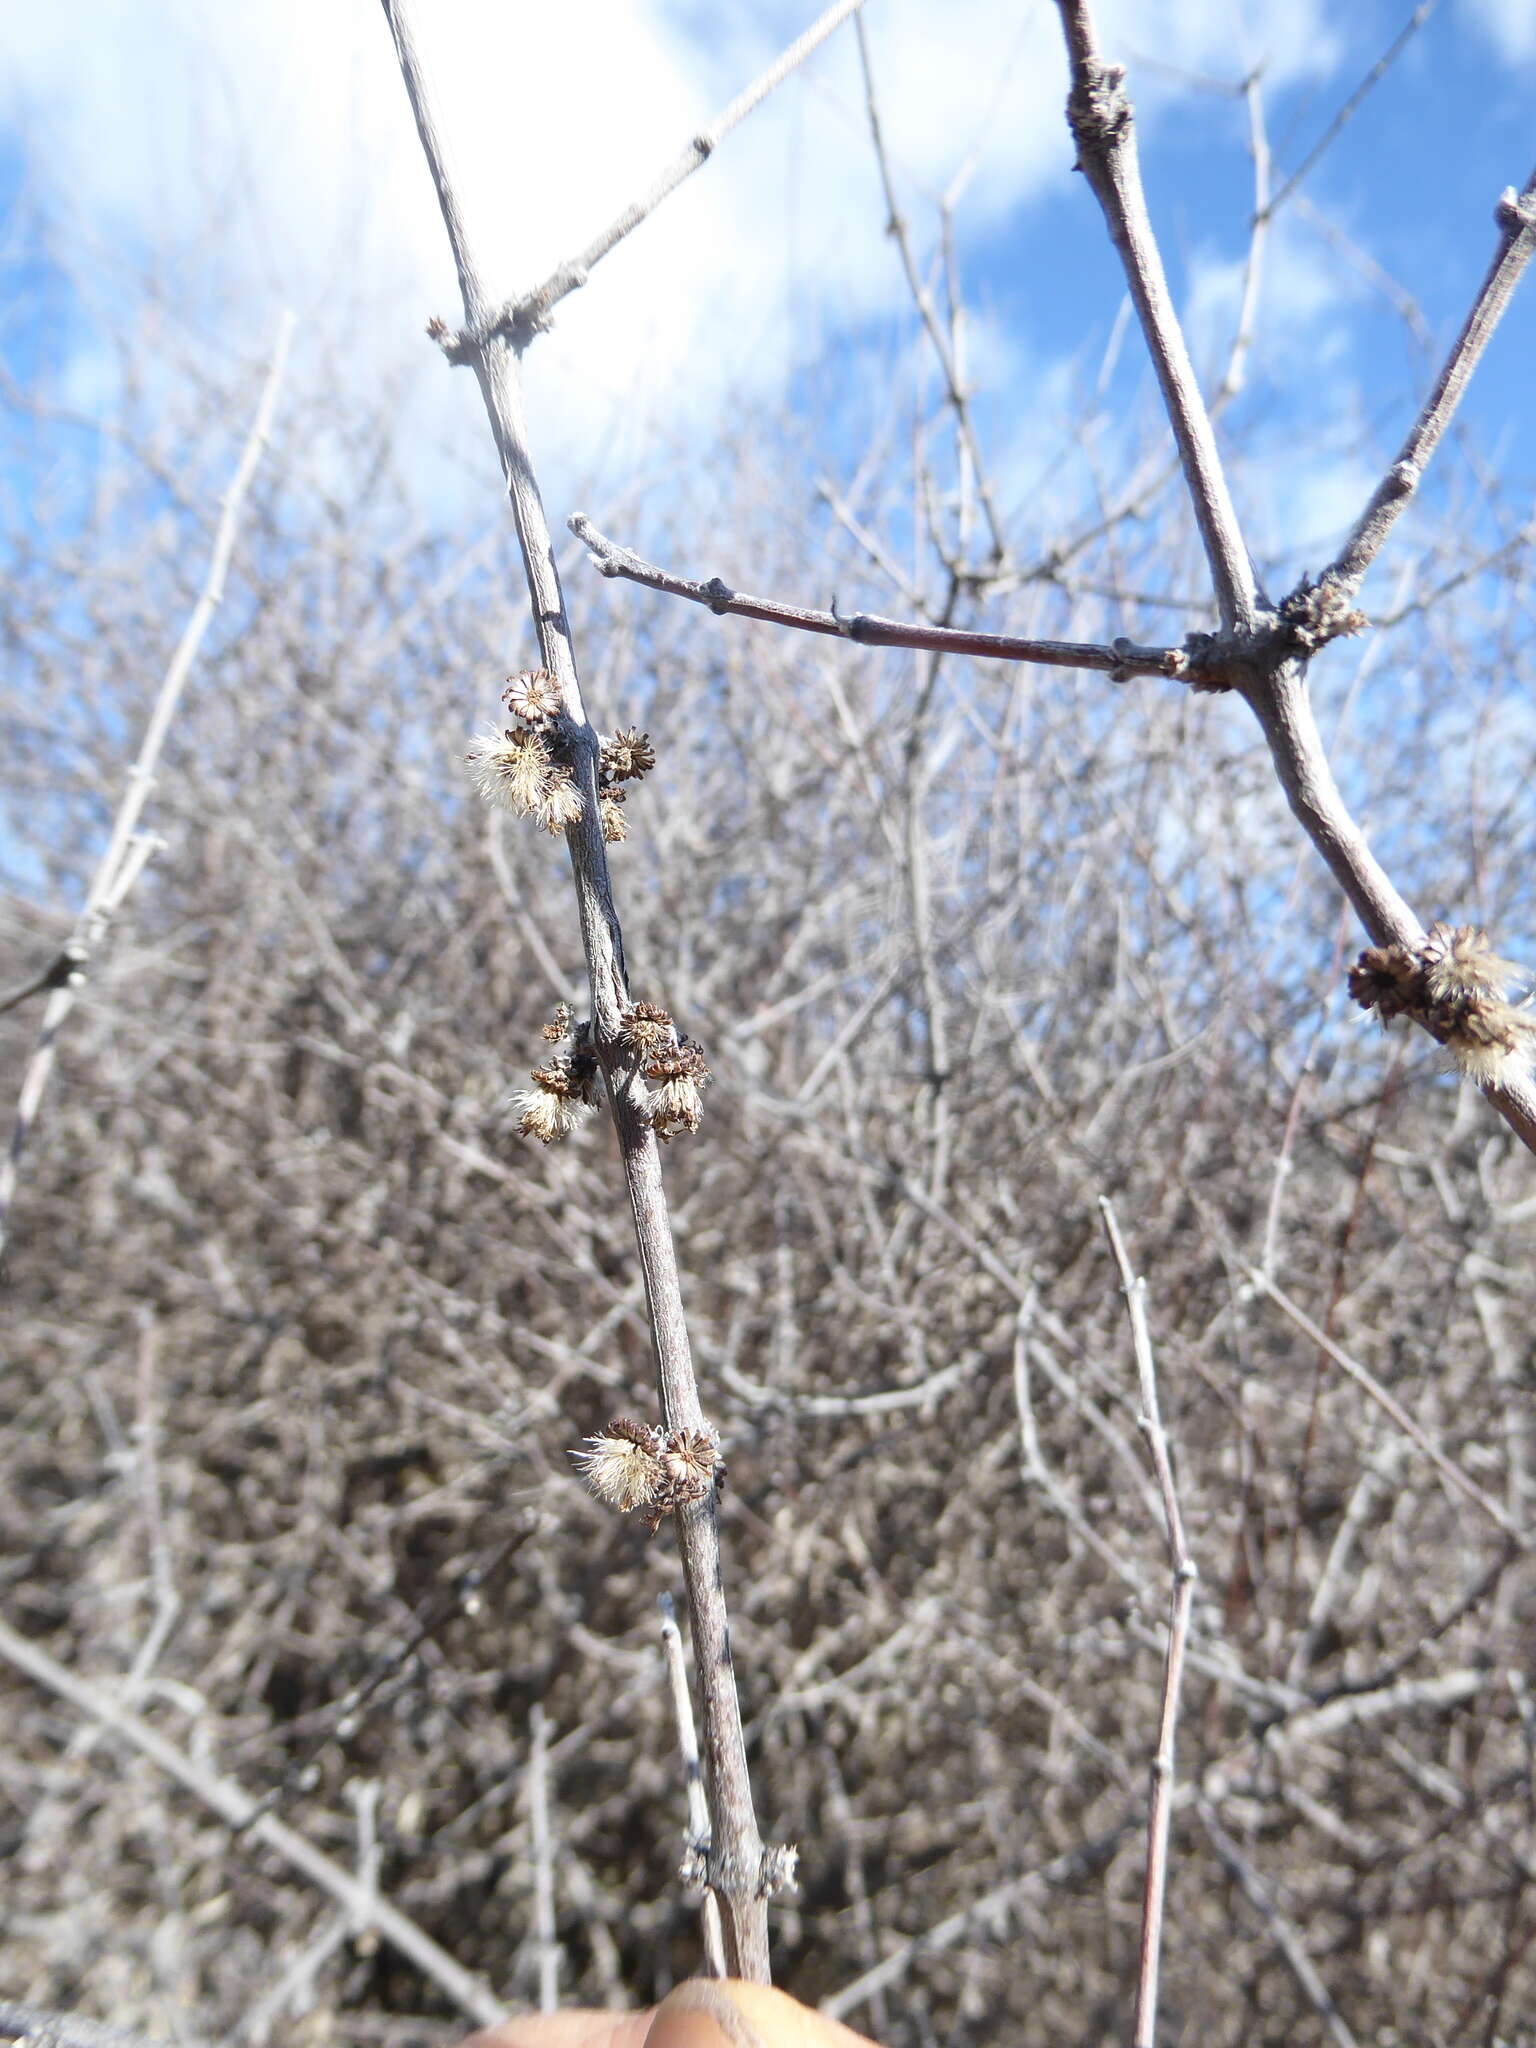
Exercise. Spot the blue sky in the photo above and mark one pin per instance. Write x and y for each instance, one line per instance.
(249, 158)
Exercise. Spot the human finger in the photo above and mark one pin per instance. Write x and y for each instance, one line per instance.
(705, 2014)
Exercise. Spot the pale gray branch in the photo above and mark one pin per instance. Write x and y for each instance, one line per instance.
(1181, 1599)
(737, 1866)
(1101, 120)
(1516, 217)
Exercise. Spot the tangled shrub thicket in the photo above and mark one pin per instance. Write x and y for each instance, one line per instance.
(303, 1334)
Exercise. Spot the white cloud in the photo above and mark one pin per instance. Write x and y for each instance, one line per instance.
(284, 129)
(1510, 25)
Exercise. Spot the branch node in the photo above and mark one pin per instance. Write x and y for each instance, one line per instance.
(1207, 663)
(717, 593)
(458, 346)
(1515, 212)
(1098, 107)
(1314, 614)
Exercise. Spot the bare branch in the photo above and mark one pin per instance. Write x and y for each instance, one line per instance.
(737, 1865)
(35, 2024)
(521, 319)
(226, 1799)
(1101, 120)
(696, 1838)
(1285, 1936)
(922, 298)
(125, 855)
(1181, 1600)
(1120, 661)
(1445, 1465)
(1266, 210)
(1516, 217)
(543, 1858)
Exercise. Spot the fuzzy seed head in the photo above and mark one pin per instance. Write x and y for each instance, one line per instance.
(614, 823)
(544, 1115)
(1461, 963)
(559, 1025)
(511, 770)
(623, 1465)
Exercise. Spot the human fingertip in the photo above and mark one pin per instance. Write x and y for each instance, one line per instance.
(702, 2014)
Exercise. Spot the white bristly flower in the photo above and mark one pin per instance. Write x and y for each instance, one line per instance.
(623, 1464)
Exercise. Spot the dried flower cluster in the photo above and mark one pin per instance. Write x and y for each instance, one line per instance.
(624, 757)
(673, 1062)
(565, 1088)
(633, 1464)
(524, 769)
(1457, 987)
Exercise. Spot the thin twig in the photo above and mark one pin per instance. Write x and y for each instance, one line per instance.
(1180, 1602)
(1282, 1933)
(696, 1832)
(239, 1810)
(1235, 374)
(522, 318)
(1266, 211)
(1121, 660)
(1516, 217)
(1100, 117)
(922, 298)
(68, 2030)
(1443, 1463)
(123, 860)
(544, 1933)
(737, 1868)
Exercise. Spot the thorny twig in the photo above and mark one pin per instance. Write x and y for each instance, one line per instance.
(739, 1873)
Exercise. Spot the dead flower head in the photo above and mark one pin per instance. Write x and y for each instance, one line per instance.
(626, 756)
(677, 1105)
(1454, 984)
(646, 1028)
(563, 1092)
(534, 695)
(633, 1464)
(622, 1464)
(1460, 963)
(611, 815)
